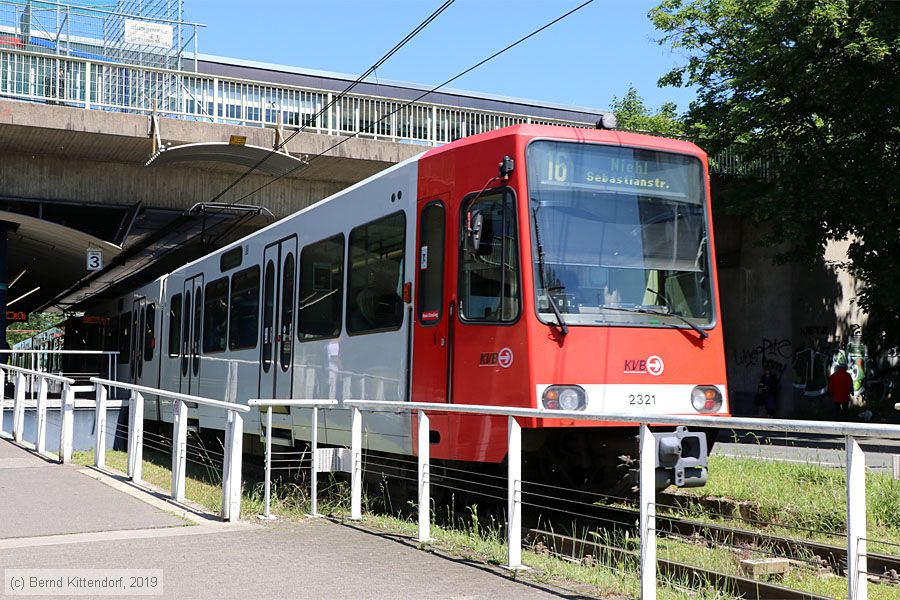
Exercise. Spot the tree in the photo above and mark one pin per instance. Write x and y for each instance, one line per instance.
(36, 323)
(814, 87)
(633, 114)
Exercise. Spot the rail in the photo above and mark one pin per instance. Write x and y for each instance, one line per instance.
(66, 407)
(234, 431)
(855, 480)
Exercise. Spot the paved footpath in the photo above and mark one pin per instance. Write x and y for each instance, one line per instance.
(65, 517)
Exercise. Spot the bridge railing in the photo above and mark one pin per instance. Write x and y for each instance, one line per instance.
(855, 479)
(234, 432)
(113, 86)
(22, 386)
(121, 87)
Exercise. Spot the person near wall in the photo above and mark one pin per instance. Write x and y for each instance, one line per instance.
(840, 386)
(767, 390)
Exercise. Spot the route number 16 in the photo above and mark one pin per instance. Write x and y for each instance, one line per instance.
(557, 166)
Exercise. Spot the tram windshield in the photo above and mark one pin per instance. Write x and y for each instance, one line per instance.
(619, 236)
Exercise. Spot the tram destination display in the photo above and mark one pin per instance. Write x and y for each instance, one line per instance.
(612, 169)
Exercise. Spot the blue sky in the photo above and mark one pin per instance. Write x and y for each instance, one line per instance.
(583, 60)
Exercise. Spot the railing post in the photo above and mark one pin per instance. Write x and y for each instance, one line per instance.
(647, 486)
(856, 521)
(231, 471)
(135, 435)
(66, 423)
(40, 443)
(314, 467)
(100, 427)
(356, 465)
(268, 489)
(514, 494)
(179, 449)
(19, 408)
(87, 84)
(3, 394)
(424, 478)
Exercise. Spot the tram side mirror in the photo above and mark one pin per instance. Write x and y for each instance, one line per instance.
(479, 233)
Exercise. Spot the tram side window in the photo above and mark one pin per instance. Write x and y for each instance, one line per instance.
(244, 309)
(489, 275)
(215, 316)
(321, 289)
(375, 275)
(149, 332)
(125, 338)
(175, 325)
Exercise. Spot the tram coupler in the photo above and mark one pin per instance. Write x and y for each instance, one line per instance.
(681, 458)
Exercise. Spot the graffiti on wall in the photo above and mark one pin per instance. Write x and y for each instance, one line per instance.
(814, 359)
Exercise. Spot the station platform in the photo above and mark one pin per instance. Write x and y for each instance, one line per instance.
(67, 517)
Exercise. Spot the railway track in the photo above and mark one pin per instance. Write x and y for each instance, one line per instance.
(572, 548)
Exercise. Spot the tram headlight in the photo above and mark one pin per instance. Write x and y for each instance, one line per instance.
(706, 398)
(564, 397)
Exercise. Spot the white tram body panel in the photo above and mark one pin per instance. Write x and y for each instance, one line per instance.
(189, 357)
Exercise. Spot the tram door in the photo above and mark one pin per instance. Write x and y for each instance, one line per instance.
(191, 326)
(279, 306)
(138, 314)
(432, 341)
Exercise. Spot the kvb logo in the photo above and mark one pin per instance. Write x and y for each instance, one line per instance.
(504, 358)
(652, 364)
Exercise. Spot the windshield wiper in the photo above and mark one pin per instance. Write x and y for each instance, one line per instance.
(563, 328)
(662, 313)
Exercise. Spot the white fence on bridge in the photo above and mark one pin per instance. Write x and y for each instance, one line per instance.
(118, 87)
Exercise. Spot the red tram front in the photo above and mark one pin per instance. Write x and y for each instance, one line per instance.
(579, 276)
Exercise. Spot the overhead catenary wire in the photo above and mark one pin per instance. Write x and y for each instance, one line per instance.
(337, 98)
(414, 100)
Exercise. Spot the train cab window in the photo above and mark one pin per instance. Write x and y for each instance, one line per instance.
(244, 309)
(215, 316)
(149, 332)
(125, 339)
(431, 263)
(321, 289)
(375, 275)
(489, 261)
(175, 325)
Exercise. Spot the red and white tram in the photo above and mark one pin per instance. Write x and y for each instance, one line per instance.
(580, 275)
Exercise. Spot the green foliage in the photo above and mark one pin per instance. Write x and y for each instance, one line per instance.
(36, 322)
(813, 86)
(633, 114)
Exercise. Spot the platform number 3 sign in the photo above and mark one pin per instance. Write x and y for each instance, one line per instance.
(94, 260)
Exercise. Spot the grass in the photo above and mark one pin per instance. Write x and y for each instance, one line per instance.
(808, 500)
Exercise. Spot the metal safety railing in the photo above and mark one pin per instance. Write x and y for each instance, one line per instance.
(315, 405)
(234, 432)
(22, 388)
(59, 362)
(855, 479)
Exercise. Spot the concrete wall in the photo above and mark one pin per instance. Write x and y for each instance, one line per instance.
(59, 178)
(771, 311)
